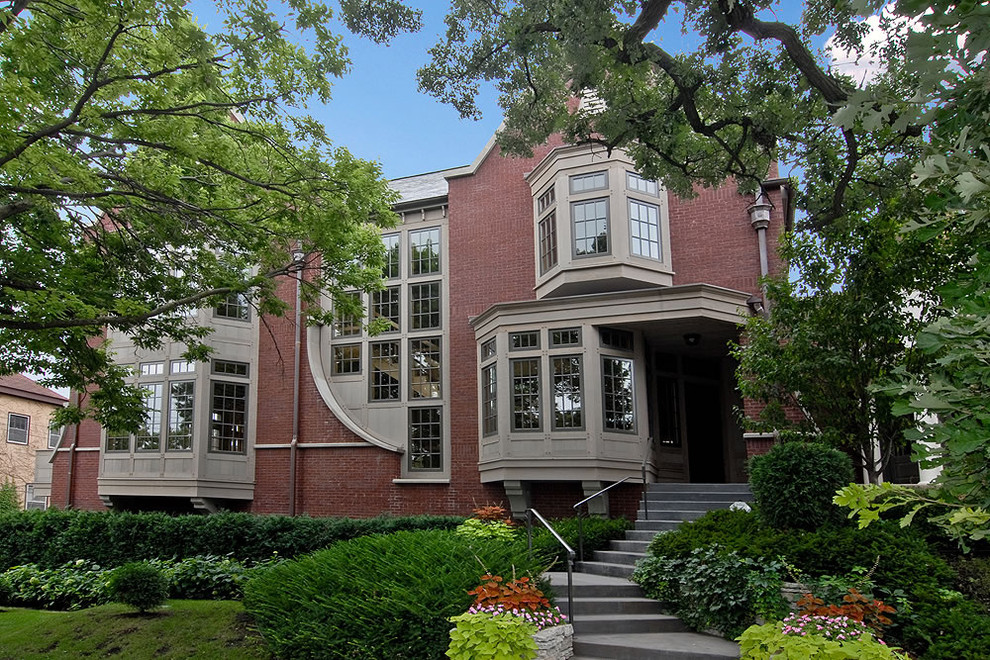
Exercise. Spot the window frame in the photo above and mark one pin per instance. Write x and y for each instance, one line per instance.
(584, 176)
(434, 304)
(393, 304)
(172, 413)
(548, 245)
(553, 380)
(437, 440)
(536, 397)
(574, 224)
(236, 303)
(374, 387)
(631, 430)
(26, 430)
(212, 447)
(489, 400)
(434, 372)
(415, 262)
(635, 240)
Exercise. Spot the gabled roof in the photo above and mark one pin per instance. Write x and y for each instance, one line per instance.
(21, 386)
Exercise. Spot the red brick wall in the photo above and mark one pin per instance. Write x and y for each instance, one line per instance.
(85, 470)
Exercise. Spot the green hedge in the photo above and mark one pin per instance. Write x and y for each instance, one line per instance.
(52, 538)
(597, 533)
(375, 597)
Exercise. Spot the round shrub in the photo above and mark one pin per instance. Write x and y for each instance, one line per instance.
(139, 585)
(794, 483)
(383, 596)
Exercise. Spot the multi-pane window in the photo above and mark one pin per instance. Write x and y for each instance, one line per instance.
(424, 306)
(525, 394)
(585, 182)
(182, 367)
(54, 435)
(566, 383)
(617, 394)
(548, 242)
(118, 441)
(424, 368)
(489, 400)
(385, 305)
(546, 200)
(425, 438)
(152, 368)
(17, 428)
(228, 417)
(392, 267)
(347, 359)
(148, 437)
(385, 371)
(644, 229)
(345, 323)
(488, 350)
(181, 402)
(639, 184)
(523, 341)
(230, 368)
(619, 339)
(590, 221)
(424, 251)
(565, 337)
(234, 306)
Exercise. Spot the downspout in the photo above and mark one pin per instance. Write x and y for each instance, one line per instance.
(72, 453)
(296, 359)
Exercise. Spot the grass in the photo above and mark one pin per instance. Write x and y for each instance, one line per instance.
(183, 629)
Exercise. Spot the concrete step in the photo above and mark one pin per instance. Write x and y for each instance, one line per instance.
(590, 585)
(672, 514)
(584, 605)
(654, 646)
(626, 624)
(630, 545)
(688, 505)
(664, 525)
(606, 569)
(646, 534)
(666, 487)
(617, 557)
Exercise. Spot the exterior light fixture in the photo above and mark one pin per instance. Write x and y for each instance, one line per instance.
(692, 339)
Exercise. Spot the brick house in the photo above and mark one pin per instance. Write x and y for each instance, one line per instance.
(555, 324)
(28, 437)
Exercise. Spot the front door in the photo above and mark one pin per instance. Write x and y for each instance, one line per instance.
(705, 438)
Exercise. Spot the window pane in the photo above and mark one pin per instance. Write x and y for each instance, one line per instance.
(488, 350)
(148, 437)
(489, 401)
(424, 251)
(228, 417)
(521, 341)
(385, 371)
(586, 182)
(385, 305)
(230, 368)
(183, 367)
(181, 399)
(620, 339)
(424, 368)
(424, 306)
(644, 229)
(590, 227)
(54, 436)
(546, 200)
(525, 394)
(639, 184)
(152, 368)
(348, 325)
(347, 359)
(17, 428)
(118, 441)
(617, 393)
(548, 242)
(425, 439)
(566, 337)
(392, 266)
(567, 402)
(235, 306)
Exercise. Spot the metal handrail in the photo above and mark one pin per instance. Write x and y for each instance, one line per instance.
(587, 499)
(646, 499)
(570, 555)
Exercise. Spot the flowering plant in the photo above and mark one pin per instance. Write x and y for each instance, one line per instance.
(542, 618)
(814, 637)
(839, 628)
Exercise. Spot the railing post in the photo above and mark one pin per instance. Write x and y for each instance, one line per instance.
(529, 533)
(580, 537)
(570, 587)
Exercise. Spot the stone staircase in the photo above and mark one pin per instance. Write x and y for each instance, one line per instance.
(612, 618)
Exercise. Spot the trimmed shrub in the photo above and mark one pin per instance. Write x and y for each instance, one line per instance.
(54, 537)
(597, 533)
(382, 596)
(73, 586)
(139, 585)
(794, 483)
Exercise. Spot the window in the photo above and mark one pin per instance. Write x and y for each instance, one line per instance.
(424, 251)
(385, 371)
(525, 394)
(488, 350)
(346, 324)
(522, 341)
(385, 305)
(230, 368)
(565, 337)
(17, 428)
(347, 359)
(152, 368)
(548, 242)
(590, 227)
(546, 200)
(228, 417)
(118, 441)
(644, 229)
(566, 384)
(148, 437)
(234, 306)
(183, 367)
(489, 401)
(639, 184)
(585, 182)
(424, 368)
(54, 436)
(425, 439)
(617, 394)
(619, 339)
(181, 400)
(424, 306)
(392, 268)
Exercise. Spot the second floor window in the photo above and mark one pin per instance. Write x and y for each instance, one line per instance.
(590, 222)
(234, 306)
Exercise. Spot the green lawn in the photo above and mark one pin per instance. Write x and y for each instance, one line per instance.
(183, 629)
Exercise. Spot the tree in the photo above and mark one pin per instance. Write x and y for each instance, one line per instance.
(148, 167)
(754, 90)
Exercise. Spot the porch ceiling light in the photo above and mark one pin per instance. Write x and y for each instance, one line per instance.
(692, 338)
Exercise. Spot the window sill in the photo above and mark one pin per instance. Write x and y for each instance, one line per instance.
(409, 480)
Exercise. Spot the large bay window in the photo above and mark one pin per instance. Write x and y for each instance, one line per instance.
(590, 226)
(644, 229)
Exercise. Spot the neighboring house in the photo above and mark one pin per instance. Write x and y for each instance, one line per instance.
(28, 437)
(556, 323)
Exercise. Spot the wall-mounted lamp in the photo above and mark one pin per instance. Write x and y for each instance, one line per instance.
(759, 211)
(755, 304)
(692, 339)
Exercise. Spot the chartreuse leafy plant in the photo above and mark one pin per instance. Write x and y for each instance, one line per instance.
(813, 638)
(485, 636)
(149, 167)
(489, 522)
